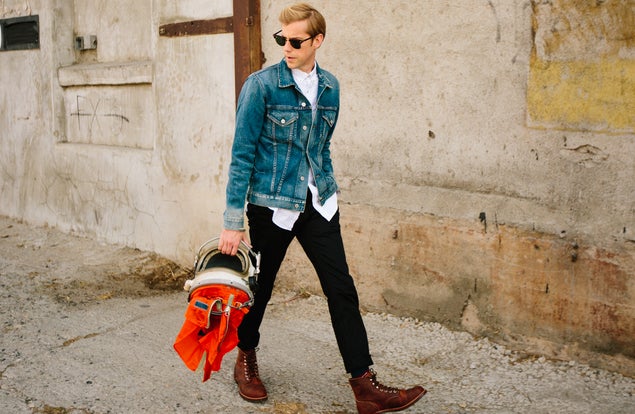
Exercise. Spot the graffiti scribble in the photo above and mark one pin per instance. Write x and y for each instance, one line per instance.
(88, 110)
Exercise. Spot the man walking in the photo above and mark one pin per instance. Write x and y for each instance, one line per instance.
(281, 166)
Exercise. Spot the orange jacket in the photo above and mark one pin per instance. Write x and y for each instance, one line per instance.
(212, 318)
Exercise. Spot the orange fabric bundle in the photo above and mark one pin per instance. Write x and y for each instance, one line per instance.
(211, 322)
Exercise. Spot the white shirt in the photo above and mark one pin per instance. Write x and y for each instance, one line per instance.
(283, 218)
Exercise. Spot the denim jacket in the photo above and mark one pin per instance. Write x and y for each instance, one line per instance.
(276, 143)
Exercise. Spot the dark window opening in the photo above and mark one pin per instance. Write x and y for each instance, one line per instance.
(20, 33)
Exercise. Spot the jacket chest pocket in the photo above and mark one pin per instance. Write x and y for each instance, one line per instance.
(281, 124)
(328, 118)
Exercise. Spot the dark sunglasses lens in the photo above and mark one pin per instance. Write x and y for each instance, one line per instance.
(280, 40)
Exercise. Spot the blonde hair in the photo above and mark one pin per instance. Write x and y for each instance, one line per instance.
(303, 11)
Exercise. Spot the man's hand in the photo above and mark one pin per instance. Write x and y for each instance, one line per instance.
(230, 240)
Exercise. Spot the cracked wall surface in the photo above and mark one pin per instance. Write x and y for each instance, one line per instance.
(478, 143)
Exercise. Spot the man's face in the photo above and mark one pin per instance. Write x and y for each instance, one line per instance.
(303, 58)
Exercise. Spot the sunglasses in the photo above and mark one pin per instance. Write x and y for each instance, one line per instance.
(295, 43)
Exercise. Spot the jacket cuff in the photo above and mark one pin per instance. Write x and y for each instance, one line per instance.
(234, 219)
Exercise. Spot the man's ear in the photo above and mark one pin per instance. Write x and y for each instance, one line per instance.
(317, 40)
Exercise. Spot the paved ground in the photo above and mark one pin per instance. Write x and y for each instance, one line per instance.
(88, 328)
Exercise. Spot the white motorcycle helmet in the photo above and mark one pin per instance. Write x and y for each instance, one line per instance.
(211, 267)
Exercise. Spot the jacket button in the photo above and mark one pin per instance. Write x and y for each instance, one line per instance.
(302, 178)
(304, 128)
(303, 104)
(297, 206)
(282, 121)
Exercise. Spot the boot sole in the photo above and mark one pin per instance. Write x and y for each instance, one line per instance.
(252, 399)
(248, 398)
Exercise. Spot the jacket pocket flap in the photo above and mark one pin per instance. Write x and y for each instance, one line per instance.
(282, 118)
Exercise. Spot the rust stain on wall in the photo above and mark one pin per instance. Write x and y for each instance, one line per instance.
(513, 285)
(550, 295)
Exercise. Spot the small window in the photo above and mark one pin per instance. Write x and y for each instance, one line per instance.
(20, 33)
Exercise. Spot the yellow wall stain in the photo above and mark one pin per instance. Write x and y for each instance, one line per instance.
(582, 95)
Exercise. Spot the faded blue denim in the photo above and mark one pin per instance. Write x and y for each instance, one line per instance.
(276, 143)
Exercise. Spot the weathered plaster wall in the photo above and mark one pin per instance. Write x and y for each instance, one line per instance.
(484, 151)
(583, 66)
(26, 117)
(460, 204)
(125, 142)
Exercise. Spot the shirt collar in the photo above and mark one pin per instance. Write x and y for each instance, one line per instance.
(301, 76)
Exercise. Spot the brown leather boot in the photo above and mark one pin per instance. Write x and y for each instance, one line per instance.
(246, 375)
(374, 398)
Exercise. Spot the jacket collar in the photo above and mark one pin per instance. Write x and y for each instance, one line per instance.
(285, 76)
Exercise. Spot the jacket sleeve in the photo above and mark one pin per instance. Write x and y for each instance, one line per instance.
(327, 163)
(249, 121)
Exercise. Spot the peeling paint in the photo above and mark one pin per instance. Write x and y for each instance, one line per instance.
(582, 69)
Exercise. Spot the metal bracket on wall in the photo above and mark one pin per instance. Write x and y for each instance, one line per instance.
(198, 27)
(88, 42)
(245, 24)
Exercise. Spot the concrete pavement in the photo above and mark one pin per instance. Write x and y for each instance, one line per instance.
(88, 328)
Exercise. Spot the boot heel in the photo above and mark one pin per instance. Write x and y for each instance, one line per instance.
(366, 407)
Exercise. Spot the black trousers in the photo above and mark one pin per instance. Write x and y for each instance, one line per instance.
(322, 243)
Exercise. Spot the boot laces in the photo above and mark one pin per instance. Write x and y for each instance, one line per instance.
(379, 386)
(250, 364)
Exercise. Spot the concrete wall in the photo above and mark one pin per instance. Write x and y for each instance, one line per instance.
(484, 152)
(126, 142)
